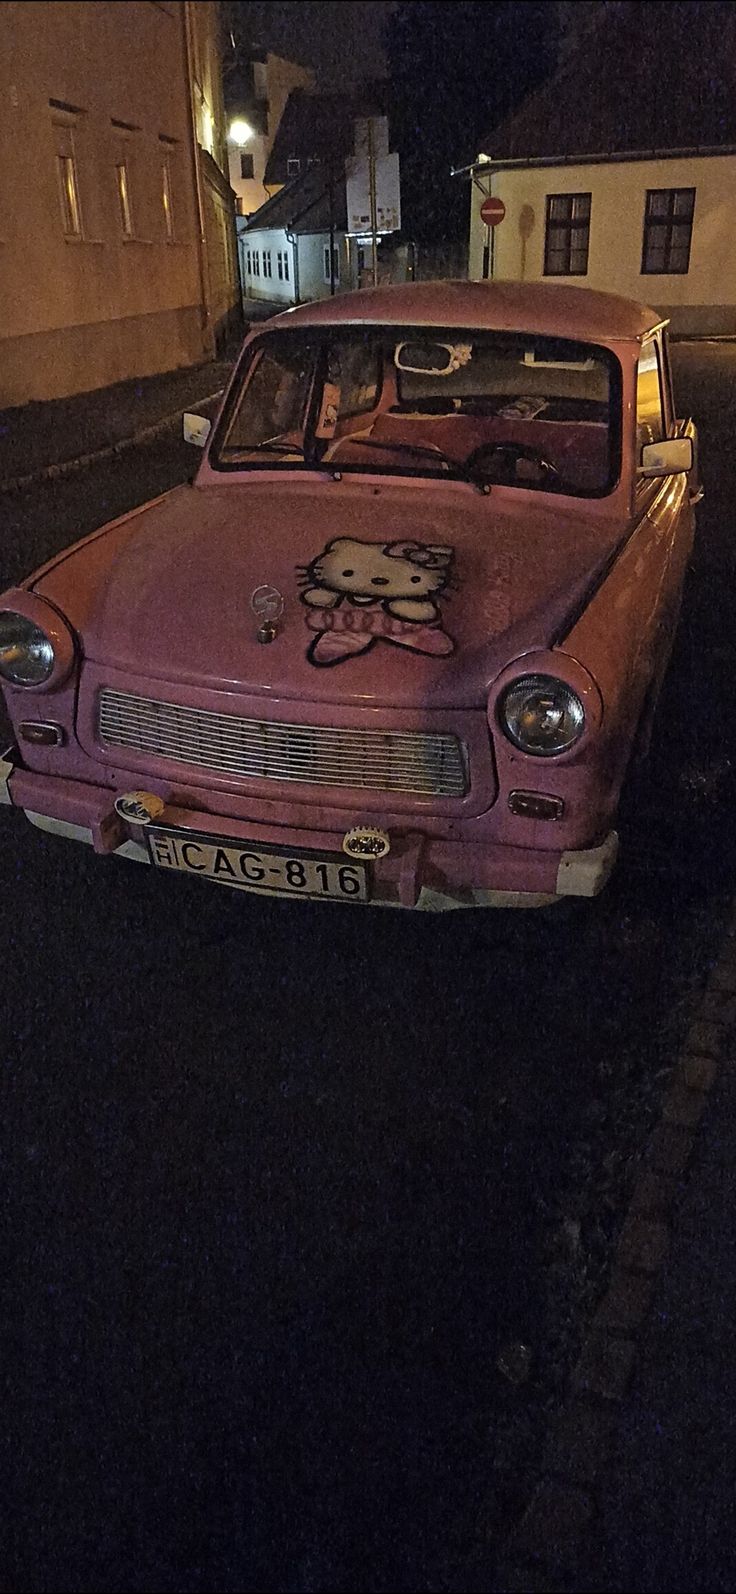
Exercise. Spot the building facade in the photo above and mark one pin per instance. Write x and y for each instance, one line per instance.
(256, 93)
(618, 172)
(656, 230)
(117, 243)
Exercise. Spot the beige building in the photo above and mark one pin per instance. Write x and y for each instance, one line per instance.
(256, 93)
(117, 246)
(620, 172)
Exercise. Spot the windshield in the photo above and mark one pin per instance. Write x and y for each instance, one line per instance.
(517, 409)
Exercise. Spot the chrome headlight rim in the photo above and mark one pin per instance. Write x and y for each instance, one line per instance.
(524, 687)
(40, 617)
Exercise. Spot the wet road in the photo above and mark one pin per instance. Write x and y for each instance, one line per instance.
(282, 1181)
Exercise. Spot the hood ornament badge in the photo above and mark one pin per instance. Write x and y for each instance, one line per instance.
(268, 606)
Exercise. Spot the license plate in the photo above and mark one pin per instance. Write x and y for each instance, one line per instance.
(276, 871)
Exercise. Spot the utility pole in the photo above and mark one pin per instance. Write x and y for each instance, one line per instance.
(372, 184)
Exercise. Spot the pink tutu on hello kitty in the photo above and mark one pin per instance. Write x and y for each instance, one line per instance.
(350, 630)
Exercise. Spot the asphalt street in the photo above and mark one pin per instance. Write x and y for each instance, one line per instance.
(284, 1183)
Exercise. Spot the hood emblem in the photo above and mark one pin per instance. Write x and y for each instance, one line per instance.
(268, 606)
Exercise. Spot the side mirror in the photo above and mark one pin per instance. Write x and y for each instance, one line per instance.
(668, 458)
(196, 429)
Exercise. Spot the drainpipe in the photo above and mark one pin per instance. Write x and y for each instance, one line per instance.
(204, 280)
(332, 235)
(294, 239)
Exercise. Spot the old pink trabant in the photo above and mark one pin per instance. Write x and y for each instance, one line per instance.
(401, 636)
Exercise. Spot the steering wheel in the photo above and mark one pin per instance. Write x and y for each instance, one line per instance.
(488, 455)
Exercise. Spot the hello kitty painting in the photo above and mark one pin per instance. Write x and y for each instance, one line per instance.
(359, 593)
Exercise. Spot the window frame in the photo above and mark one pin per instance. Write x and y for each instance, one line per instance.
(335, 275)
(247, 155)
(671, 223)
(567, 225)
(654, 343)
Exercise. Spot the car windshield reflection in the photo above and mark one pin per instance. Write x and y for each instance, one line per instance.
(519, 410)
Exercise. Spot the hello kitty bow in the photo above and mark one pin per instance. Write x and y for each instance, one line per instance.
(431, 556)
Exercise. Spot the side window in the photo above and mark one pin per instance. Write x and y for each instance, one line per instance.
(356, 369)
(650, 415)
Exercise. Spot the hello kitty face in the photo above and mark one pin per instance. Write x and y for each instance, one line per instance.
(369, 572)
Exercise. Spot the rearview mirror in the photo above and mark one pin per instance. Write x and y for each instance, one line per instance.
(672, 455)
(196, 429)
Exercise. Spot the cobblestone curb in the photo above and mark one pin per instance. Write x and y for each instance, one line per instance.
(544, 1550)
(69, 467)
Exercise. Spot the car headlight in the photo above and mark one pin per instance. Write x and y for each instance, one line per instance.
(541, 715)
(27, 654)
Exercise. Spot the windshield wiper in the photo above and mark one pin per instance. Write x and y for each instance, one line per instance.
(271, 447)
(429, 453)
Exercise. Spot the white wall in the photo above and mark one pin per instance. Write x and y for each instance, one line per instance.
(310, 280)
(703, 300)
(271, 241)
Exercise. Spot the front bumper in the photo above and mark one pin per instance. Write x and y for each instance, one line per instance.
(420, 872)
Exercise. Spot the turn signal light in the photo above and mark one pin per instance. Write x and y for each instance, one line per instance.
(533, 805)
(41, 733)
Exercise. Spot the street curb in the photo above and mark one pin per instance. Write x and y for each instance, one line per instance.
(544, 1550)
(68, 467)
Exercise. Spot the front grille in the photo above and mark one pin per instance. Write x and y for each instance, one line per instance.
(315, 755)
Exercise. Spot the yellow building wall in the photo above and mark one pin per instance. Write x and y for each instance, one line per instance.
(703, 300)
(109, 83)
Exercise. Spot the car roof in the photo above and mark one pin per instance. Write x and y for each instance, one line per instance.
(555, 309)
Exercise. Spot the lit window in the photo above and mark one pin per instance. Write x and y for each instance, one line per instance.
(126, 217)
(167, 200)
(69, 196)
(66, 167)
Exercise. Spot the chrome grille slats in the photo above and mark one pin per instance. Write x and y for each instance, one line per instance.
(430, 763)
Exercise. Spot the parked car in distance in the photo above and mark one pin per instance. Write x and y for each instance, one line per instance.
(399, 638)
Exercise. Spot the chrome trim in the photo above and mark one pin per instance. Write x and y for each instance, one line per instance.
(433, 763)
(59, 827)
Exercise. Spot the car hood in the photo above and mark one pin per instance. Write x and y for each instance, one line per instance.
(168, 591)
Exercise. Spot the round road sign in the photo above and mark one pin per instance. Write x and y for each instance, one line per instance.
(492, 211)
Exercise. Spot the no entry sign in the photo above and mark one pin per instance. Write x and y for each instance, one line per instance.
(492, 211)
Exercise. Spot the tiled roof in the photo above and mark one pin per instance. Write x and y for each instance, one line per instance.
(304, 205)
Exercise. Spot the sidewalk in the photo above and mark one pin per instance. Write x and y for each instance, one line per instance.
(54, 435)
(637, 1490)
(668, 1509)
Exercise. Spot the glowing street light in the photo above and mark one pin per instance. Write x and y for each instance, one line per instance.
(240, 131)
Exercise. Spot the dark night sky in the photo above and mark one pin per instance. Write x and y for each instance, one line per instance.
(340, 38)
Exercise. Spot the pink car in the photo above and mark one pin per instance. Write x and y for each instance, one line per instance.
(399, 640)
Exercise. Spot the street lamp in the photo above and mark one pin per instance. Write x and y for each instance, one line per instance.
(239, 131)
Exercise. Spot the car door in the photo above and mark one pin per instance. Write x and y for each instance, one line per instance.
(666, 505)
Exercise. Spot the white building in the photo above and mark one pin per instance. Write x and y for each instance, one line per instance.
(296, 247)
(620, 172)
